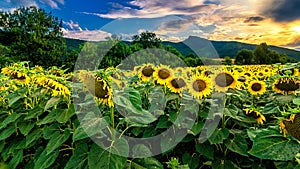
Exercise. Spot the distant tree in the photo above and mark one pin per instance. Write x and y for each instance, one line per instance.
(33, 35)
(227, 61)
(5, 60)
(262, 54)
(147, 40)
(244, 57)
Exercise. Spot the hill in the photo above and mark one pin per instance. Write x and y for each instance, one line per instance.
(204, 47)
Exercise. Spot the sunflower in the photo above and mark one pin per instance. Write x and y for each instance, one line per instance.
(257, 87)
(260, 118)
(291, 125)
(224, 80)
(176, 84)
(162, 74)
(98, 87)
(146, 72)
(200, 86)
(52, 84)
(286, 85)
(18, 75)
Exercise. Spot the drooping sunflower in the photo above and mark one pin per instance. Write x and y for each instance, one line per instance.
(200, 86)
(98, 87)
(146, 72)
(222, 81)
(14, 73)
(260, 118)
(257, 87)
(291, 125)
(286, 85)
(162, 74)
(176, 84)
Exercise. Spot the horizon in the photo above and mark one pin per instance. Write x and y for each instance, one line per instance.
(250, 21)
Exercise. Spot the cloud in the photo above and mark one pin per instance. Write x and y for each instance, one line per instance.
(88, 35)
(17, 3)
(158, 8)
(71, 25)
(282, 11)
(254, 19)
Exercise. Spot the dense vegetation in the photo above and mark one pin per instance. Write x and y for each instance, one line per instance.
(144, 104)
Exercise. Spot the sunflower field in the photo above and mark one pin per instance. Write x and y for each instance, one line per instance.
(150, 116)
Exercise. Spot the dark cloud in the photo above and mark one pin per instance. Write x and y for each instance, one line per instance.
(216, 2)
(283, 11)
(253, 19)
(193, 9)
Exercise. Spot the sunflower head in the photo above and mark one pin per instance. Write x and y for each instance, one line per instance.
(146, 71)
(162, 74)
(176, 84)
(257, 87)
(260, 118)
(291, 125)
(286, 85)
(200, 86)
(224, 80)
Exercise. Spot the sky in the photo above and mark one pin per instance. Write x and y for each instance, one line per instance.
(276, 22)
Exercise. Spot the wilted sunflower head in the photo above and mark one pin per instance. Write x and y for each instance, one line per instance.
(224, 80)
(286, 85)
(257, 87)
(14, 73)
(260, 118)
(291, 125)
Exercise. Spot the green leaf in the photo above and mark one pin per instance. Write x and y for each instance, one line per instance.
(79, 134)
(99, 158)
(93, 124)
(52, 102)
(79, 159)
(238, 144)
(17, 158)
(56, 140)
(219, 135)
(270, 145)
(50, 117)
(296, 101)
(51, 130)
(7, 132)
(25, 127)
(14, 100)
(145, 163)
(35, 135)
(64, 116)
(192, 161)
(11, 118)
(34, 113)
(163, 123)
(231, 111)
(223, 164)
(197, 128)
(141, 151)
(206, 150)
(270, 108)
(45, 160)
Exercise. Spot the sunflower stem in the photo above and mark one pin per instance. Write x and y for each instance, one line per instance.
(112, 117)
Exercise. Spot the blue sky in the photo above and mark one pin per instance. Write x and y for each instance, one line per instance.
(276, 22)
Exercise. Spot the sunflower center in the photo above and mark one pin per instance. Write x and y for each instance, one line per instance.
(247, 74)
(178, 83)
(147, 71)
(256, 87)
(163, 73)
(224, 80)
(199, 85)
(100, 90)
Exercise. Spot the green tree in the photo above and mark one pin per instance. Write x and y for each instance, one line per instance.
(262, 54)
(244, 57)
(147, 40)
(227, 61)
(33, 35)
(5, 60)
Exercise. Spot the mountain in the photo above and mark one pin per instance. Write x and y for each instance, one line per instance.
(206, 48)
(214, 49)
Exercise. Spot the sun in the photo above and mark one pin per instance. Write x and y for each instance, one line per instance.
(296, 28)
